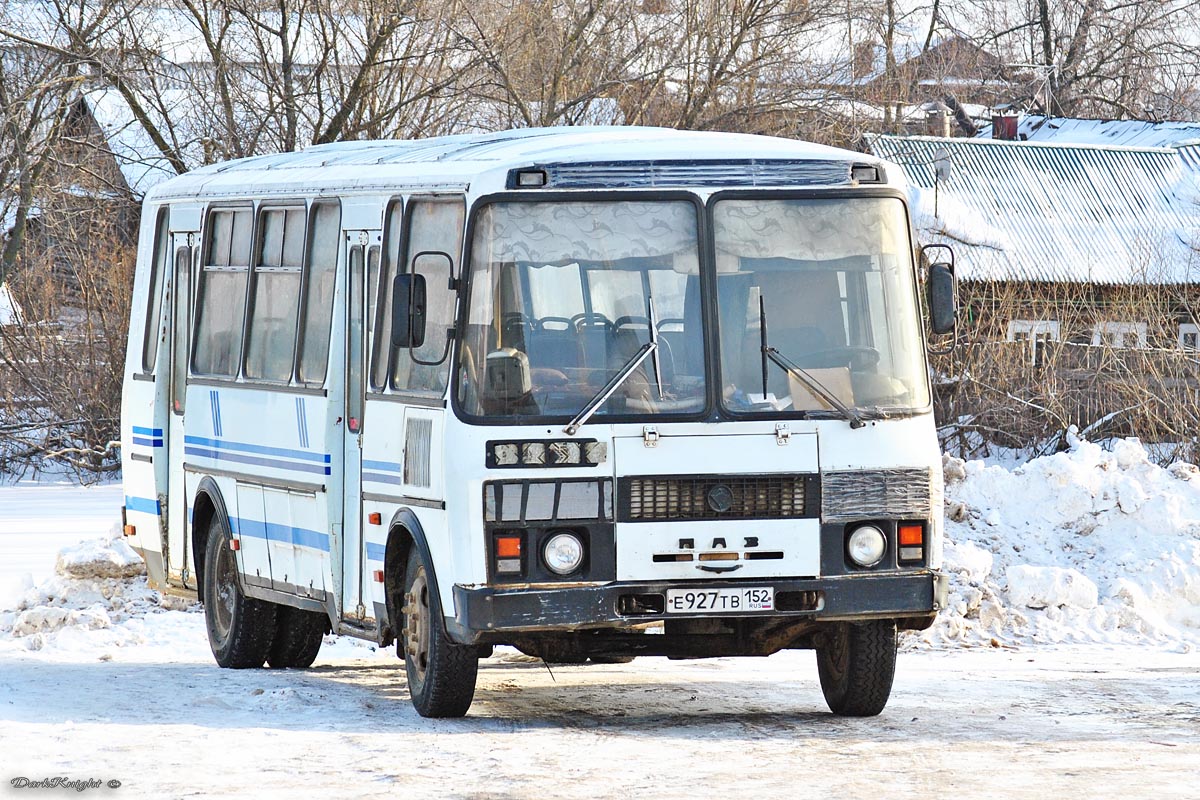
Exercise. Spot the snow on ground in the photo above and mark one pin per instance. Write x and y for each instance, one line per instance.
(1066, 664)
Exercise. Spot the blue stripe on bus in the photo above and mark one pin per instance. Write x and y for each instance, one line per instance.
(375, 552)
(140, 431)
(384, 466)
(379, 477)
(148, 442)
(273, 463)
(142, 504)
(246, 447)
(274, 532)
(214, 400)
(301, 422)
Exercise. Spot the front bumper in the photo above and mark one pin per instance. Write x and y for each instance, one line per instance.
(480, 611)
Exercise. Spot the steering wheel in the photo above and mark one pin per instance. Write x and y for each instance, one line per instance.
(592, 319)
(859, 357)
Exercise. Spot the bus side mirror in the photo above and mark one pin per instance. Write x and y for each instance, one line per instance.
(942, 304)
(408, 310)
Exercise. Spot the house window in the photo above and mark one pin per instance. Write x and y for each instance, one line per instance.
(1189, 336)
(1036, 333)
(1029, 330)
(1119, 334)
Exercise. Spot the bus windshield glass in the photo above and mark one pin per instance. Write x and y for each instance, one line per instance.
(833, 280)
(564, 296)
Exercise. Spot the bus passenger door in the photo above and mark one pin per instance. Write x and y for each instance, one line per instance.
(179, 567)
(362, 262)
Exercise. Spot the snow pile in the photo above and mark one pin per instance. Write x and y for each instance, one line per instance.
(97, 598)
(98, 605)
(100, 558)
(1085, 545)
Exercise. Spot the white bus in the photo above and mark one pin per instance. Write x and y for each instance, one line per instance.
(594, 393)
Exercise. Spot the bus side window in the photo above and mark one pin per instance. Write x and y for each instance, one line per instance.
(320, 274)
(271, 340)
(382, 351)
(221, 294)
(158, 270)
(433, 225)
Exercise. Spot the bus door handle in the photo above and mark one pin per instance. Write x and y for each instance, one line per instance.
(708, 568)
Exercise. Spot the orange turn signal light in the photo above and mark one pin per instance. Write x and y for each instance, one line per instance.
(910, 534)
(508, 547)
(375, 518)
(130, 530)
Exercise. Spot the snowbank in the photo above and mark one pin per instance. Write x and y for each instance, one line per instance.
(98, 605)
(97, 599)
(1085, 545)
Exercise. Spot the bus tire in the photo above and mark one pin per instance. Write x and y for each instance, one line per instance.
(856, 664)
(441, 674)
(298, 637)
(240, 628)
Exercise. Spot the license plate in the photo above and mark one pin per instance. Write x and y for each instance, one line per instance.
(721, 601)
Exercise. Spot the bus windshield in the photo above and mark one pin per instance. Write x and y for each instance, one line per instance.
(832, 278)
(565, 295)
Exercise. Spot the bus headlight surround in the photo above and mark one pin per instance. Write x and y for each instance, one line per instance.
(866, 546)
(563, 553)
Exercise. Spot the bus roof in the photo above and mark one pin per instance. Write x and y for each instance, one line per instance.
(574, 157)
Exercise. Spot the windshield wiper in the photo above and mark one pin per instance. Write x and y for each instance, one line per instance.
(814, 385)
(613, 384)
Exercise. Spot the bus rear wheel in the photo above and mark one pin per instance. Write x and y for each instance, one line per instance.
(240, 628)
(857, 663)
(298, 638)
(441, 674)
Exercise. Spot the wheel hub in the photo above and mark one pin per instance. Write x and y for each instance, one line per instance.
(417, 620)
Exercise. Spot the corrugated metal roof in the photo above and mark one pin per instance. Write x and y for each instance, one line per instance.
(1120, 132)
(1044, 212)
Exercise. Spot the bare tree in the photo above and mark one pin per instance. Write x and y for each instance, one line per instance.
(1092, 58)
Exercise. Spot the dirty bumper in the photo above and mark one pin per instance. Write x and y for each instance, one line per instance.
(480, 611)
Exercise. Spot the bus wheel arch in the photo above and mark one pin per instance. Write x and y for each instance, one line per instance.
(404, 533)
(207, 503)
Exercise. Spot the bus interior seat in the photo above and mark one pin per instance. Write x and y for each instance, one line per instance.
(552, 342)
(594, 333)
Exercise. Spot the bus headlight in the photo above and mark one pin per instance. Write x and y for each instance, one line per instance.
(866, 545)
(563, 553)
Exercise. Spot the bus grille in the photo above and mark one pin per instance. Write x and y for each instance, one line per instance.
(658, 498)
(877, 494)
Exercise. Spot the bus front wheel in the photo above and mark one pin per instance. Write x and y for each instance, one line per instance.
(240, 628)
(856, 663)
(441, 674)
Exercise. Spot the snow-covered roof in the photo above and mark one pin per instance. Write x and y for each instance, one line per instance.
(1049, 212)
(1121, 132)
(456, 160)
(10, 312)
(141, 163)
